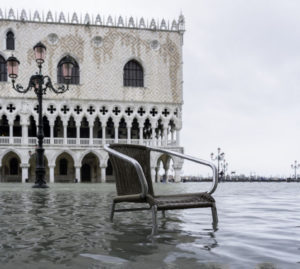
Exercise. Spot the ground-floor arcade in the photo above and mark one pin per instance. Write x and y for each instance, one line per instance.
(77, 165)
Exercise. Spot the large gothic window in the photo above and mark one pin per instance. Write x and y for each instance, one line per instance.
(75, 72)
(10, 41)
(3, 70)
(133, 74)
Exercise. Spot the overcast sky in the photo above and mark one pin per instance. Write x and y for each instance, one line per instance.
(241, 75)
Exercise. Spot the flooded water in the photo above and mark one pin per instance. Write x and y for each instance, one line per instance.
(67, 226)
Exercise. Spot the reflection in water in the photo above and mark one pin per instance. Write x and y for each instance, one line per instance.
(105, 258)
(67, 226)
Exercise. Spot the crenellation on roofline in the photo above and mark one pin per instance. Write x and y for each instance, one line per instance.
(121, 22)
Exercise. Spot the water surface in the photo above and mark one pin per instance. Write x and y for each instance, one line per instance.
(67, 226)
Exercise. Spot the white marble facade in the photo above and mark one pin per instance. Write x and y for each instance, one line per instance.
(98, 110)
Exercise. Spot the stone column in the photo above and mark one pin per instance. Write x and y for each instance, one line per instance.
(141, 136)
(167, 170)
(157, 174)
(91, 134)
(128, 135)
(65, 134)
(159, 139)
(24, 167)
(177, 137)
(153, 174)
(167, 175)
(165, 136)
(77, 173)
(51, 173)
(103, 174)
(78, 134)
(172, 136)
(116, 134)
(153, 140)
(51, 134)
(177, 175)
(103, 134)
(11, 135)
(25, 134)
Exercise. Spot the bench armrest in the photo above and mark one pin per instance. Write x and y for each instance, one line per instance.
(190, 158)
(135, 164)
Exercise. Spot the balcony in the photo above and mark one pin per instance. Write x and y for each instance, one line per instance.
(82, 142)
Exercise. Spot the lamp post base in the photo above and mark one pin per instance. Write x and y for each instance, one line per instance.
(41, 186)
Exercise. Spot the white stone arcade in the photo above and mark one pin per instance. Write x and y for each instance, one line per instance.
(75, 135)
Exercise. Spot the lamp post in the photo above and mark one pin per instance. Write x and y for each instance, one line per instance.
(219, 157)
(39, 83)
(295, 166)
(233, 175)
(225, 168)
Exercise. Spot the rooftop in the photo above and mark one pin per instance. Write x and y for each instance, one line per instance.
(87, 19)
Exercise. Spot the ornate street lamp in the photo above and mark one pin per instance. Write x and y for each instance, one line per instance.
(39, 83)
(295, 166)
(219, 157)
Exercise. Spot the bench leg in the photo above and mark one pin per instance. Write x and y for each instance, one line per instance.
(163, 214)
(214, 215)
(154, 219)
(112, 211)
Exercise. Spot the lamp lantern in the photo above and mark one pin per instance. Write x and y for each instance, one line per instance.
(12, 64)
(39, 53)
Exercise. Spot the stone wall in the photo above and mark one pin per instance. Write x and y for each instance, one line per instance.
(101, 53)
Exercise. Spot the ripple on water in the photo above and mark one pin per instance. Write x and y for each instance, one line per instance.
(67, 226)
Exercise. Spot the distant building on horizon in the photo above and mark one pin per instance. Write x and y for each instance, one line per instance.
(126, 88)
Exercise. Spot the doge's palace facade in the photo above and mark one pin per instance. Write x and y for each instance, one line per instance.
(127, 88)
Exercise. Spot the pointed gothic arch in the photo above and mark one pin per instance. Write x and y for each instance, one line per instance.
(64, 170)
(90, 167)
(10, 163)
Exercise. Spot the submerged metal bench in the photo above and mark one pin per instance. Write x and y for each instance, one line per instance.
(131, 164)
